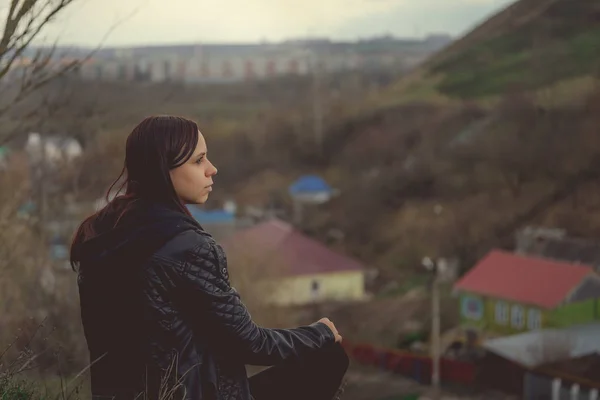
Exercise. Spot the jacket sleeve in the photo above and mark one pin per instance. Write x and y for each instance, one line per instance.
(228, 324)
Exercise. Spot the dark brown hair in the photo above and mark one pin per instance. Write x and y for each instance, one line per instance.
(154, 147)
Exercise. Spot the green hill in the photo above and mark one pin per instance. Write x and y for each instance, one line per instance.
(530, 45)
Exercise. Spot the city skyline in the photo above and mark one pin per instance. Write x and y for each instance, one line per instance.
(145, 22)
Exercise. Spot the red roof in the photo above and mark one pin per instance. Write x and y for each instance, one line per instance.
(522, 279)
(298, 254)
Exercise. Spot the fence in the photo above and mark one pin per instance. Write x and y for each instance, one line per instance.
(538, 386)
(415, 366)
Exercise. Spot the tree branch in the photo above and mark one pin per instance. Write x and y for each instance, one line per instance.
(23, 24)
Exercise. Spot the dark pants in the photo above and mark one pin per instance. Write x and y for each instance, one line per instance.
(316, 377)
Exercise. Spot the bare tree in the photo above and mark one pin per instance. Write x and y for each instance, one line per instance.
(23, 71)
(19, 248)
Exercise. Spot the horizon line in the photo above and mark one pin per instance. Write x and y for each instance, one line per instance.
(246, 43)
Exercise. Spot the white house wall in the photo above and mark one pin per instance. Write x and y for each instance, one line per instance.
(297, 290)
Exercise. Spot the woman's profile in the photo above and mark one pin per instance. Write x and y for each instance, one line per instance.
(160, 317)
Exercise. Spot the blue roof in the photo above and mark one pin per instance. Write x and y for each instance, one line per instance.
(211, 216)
(309, 184)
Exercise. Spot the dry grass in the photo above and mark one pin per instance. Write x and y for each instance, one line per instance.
(40, 333)
(23, 361)
(19, 260)
(383, 321)
(569, 92)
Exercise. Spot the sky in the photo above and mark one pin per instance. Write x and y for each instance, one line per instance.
(144, 22)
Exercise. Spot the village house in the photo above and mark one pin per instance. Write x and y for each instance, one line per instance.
(294, 269)
(506, 293)
(52, 149)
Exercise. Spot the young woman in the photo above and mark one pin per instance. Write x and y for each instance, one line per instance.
(159, 315)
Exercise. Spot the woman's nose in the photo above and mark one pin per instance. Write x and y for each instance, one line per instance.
(212, 171)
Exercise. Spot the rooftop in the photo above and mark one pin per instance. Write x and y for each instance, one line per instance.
(532, 349)
(298, 253)
(211, 216)
(518, 278)
(309, 184)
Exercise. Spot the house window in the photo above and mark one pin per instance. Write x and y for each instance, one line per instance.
(472, 308)
(517, 316)
(534, 319)
(501, 313)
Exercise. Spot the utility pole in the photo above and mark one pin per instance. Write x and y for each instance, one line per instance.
(317, 103)
(435, 328)
(438, 268)
(298, 212)
(43, 212)
(435, 268)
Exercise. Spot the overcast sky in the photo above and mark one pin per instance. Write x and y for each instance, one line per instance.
(140, 22)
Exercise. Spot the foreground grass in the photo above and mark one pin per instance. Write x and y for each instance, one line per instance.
(13, 389)
(28, 387)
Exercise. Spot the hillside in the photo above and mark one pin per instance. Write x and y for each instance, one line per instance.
(531, 44)
(435, 138)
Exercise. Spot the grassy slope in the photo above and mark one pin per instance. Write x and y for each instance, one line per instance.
(530, 45)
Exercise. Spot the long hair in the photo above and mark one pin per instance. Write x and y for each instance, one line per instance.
(154, 147)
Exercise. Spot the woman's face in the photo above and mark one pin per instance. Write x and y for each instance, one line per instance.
(193, 180)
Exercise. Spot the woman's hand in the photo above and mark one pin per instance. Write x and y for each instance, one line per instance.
(330, 325)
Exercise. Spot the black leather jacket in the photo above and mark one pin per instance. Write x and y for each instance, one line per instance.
(160, 316)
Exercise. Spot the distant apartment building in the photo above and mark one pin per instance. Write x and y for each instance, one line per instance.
(234, 63)
(209, 69)
(217, 68)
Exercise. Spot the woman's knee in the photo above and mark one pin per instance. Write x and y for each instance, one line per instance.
(335, 357)
(331, 357)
